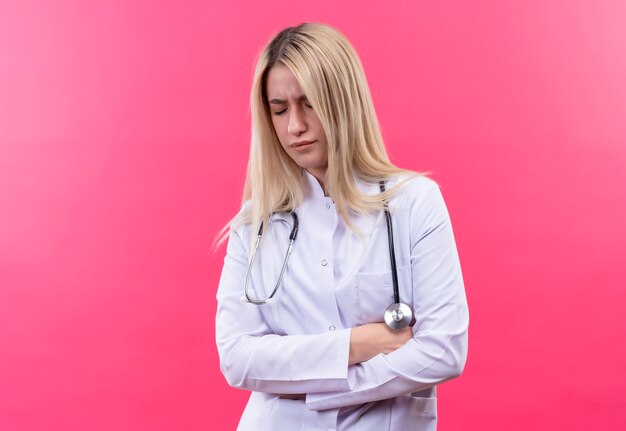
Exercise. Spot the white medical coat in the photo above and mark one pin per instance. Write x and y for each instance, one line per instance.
(335, 280)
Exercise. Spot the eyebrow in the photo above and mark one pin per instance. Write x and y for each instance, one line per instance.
(282, 102)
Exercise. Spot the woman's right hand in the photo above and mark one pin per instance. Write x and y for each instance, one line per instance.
(367, 341)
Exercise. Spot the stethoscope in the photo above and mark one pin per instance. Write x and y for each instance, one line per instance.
(397, 315)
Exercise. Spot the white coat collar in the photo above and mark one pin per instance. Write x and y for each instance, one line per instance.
(316, 191)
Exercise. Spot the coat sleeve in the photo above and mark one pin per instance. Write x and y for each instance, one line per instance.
(438, 350)
(252, 357)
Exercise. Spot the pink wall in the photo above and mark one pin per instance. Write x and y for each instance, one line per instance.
(123, 137)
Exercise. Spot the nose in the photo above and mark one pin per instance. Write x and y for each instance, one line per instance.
(297, 125)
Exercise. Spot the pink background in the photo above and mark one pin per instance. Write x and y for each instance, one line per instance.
(124, 130)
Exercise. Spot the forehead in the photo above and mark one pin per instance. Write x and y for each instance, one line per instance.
(282, 84)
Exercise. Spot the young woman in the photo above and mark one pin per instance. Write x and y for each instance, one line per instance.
(351, 308)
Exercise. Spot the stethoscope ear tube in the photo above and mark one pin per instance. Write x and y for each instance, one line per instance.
(292, 238)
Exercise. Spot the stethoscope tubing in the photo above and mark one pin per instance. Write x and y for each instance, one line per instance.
(292, 239)
(392, 250)
(397, 316)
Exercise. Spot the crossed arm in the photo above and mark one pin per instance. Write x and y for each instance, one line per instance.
(361, 364)
(367, 341)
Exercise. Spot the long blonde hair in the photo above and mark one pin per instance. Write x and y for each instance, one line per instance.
(331, 76)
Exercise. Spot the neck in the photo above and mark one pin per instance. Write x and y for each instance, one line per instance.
(320, 175)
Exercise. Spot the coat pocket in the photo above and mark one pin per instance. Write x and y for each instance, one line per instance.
(287, 414)
(415, 413)
(374, 293)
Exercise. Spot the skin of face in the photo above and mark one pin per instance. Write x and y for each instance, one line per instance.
(295, 121)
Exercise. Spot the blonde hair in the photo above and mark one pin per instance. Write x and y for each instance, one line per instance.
(331, 76)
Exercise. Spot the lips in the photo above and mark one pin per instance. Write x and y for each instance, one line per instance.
(301, 144)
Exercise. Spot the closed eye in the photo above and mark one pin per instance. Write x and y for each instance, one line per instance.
(281, 112)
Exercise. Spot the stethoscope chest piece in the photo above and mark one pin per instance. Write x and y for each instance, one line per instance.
(398, 316)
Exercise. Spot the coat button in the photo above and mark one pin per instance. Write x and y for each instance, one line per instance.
(324, 263)
(328, 206)
(331, 328)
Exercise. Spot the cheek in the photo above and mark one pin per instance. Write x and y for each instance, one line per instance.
(319, 129)
(279, 131)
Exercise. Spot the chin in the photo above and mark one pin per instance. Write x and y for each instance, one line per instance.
(309, 166)
(307, 162)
